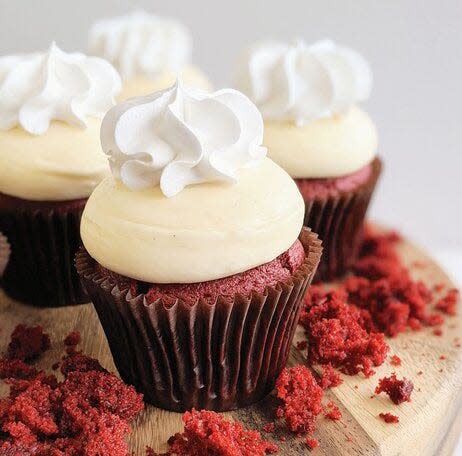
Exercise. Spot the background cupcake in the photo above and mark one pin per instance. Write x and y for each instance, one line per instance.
(198, 287)
(149, 52)
(51, 104)
(317, 133)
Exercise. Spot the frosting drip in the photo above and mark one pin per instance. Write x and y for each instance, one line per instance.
(301, 83)
(179, 137)
(36, 89)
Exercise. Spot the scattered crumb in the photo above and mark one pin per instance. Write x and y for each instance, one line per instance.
(398, 390)
(389, 418)
(311, 443)
(448, 303)
(332, 411)
(28, 342)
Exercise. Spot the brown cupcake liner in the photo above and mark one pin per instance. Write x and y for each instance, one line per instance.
(339, 222)
(4, 254)
(43, 242)
(217, 357)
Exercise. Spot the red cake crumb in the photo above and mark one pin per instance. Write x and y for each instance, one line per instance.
(311, 443)
(337, 335)
(302, 345)
(332, 411)
(72, 338)
(329, 378)
(345, 326)
(85, 414)
(439, 287)
(80, 363)
(28, 342)
(420, 373)
(15, 368)
(301, 396)
(443, 357)
(398, 390)
(438, 332)
(209, 434)
(389, 418)
(269, 427)
(448, 304)
(457, 342)
(395, 360)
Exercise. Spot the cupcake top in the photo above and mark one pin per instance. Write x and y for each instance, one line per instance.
(141, 44)
(149, 51)
(51, 104)
(308, 96)
(192, 197)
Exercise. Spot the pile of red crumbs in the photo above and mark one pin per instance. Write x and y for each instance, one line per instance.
(208, 433)
(87, 413)
(346, 326)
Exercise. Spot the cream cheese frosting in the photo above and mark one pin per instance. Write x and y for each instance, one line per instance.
(331, 147)
(141, 44)
(308, 95)
(64, 164)
(179, 137)
(205, 232)
(50, 109)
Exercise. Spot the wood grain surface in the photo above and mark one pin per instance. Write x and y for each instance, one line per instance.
(429, 425)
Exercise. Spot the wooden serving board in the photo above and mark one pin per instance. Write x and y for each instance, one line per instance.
(429, 425)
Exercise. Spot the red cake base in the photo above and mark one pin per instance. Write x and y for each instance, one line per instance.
(335, 210)
(256, 279)
(217, 354)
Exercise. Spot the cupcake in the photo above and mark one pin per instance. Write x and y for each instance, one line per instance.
(314, 129)
(194, 254)
(51, 105)
(149, 52)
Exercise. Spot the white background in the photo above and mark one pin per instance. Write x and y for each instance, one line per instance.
(414, 48)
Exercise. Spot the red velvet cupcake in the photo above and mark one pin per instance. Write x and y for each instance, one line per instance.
(192, 262)
(315, 131)
(50, 162)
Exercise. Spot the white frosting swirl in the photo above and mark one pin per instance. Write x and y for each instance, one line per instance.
(38, 88)
(141, 44)
(301, 83)
(178, 137)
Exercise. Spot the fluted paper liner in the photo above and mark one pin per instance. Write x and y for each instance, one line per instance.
(218, 357)
(40, 270)
(339, 221)
(4, 254)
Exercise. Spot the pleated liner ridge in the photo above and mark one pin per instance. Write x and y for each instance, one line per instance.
(40, 269)
(339, 222)
(218, 357)
(4, 254)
